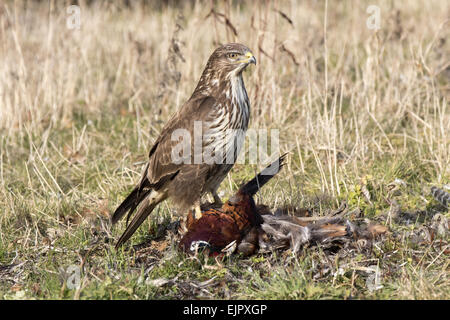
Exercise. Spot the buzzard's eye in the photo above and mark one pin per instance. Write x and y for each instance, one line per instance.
(232, 55)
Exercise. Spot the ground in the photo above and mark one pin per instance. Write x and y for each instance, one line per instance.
(359, 103)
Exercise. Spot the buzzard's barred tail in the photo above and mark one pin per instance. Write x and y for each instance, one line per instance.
(145, 209)
(129, 204)
(263, 177)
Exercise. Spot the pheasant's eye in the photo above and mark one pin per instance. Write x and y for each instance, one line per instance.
(232, 55)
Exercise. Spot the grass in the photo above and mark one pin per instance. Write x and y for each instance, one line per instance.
(359, 111)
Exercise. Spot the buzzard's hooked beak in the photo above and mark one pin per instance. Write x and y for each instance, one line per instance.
(250, 58)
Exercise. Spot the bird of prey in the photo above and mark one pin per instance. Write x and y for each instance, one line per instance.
(208, 131)
(237, 221)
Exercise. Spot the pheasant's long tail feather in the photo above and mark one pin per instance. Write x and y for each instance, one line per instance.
(263, 177)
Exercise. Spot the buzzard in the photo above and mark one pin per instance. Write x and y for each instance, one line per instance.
(208, 132)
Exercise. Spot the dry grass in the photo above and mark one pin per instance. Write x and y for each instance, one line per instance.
(361, 112)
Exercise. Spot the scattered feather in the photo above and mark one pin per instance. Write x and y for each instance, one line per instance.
(441, 196)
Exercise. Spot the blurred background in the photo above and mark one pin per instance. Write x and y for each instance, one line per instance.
(343, 80)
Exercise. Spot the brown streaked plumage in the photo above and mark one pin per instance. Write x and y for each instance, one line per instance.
(220, 103)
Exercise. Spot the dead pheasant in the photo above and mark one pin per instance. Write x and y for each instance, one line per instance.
(236, 225)
(239, 225)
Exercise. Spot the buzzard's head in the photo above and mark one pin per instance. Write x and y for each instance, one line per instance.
(231, 59)
(226, 63)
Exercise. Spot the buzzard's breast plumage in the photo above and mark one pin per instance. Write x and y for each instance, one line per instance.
(227, 131)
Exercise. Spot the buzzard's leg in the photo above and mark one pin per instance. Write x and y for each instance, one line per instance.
(216, 197)
(183, 225)
(197, 210)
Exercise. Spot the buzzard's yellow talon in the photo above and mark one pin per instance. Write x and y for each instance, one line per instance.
(198, 212)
